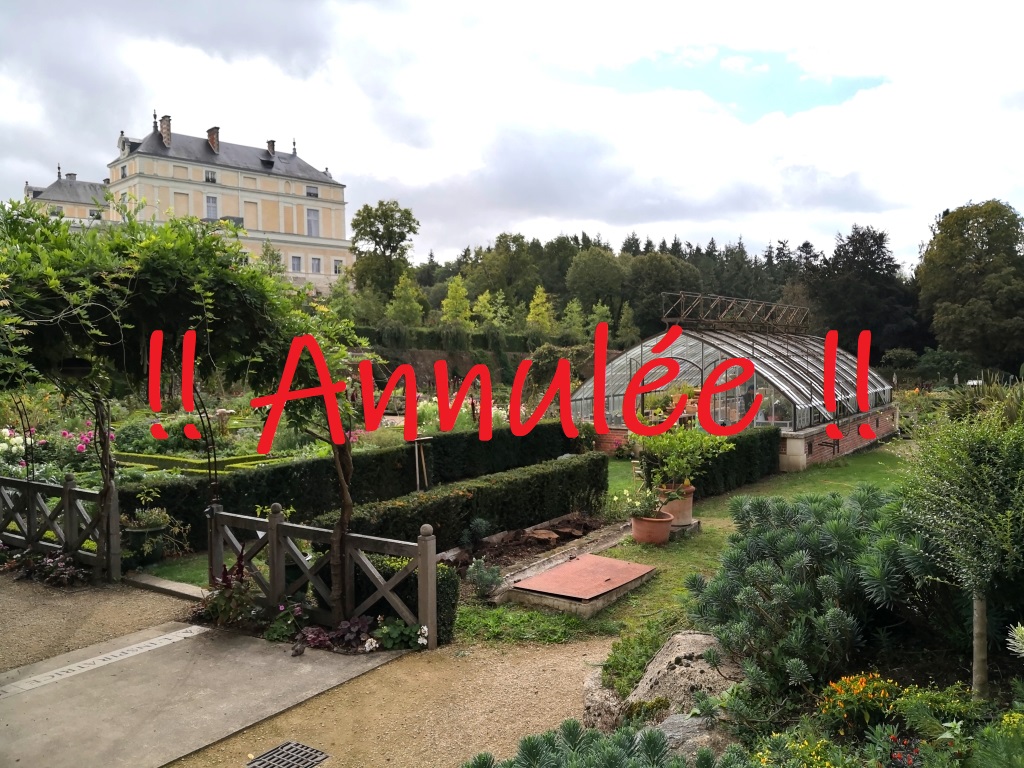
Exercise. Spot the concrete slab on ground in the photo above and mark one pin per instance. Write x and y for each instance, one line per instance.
(150, 698)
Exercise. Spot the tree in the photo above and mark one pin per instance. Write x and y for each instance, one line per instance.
(900, 358)
(271, 258)
(455, 309)
(381, 239)
(599, 313)
(964, 497)
(631, 245)
(405, 308)
(651, 274)
(574, 323)
(860, 288)
(426, 273)
(627, 334)
(491, 311)
(971, 278)
(509, 266)
(595, 275)
(540, 320)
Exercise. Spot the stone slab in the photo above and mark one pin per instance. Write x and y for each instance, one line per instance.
(585, 578)
(147, 709)
(164, 586)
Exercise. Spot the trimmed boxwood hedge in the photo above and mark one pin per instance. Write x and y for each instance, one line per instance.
(311, 485)
(756, 454)
(509, 500)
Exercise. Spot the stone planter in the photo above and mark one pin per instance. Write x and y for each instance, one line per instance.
(681, 509)
(652, 530)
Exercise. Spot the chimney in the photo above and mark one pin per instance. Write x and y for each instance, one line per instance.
(293, 147)
(58, 171)
(213, 136)
(71, 176)
(106, 182)
(270, 146)
(165, 129)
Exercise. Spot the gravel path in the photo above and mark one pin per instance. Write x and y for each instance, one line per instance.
(428, 710)
(40, 621)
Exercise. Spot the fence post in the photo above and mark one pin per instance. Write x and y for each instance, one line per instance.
(113, 534)
(275, 556)
(28, 490)
(71, 524)
(216, 543)
(427, 581)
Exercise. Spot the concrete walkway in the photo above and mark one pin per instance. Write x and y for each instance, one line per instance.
(144, 700)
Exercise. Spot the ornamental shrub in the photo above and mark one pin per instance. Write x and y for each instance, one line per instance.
(801, 585)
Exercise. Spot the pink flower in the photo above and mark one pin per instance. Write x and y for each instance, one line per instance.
(65, 433)
(80, 448)
(88, 423)
(32, 431)
(21, 463)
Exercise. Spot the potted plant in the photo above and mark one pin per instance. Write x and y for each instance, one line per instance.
(144, 530)
(649, 524)
(675, 458)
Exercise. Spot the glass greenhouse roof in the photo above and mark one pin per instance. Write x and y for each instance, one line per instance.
(790, 374)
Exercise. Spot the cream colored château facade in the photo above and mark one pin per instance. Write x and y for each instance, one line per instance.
(275, 196)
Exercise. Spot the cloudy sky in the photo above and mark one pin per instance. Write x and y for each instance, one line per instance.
(726, 120)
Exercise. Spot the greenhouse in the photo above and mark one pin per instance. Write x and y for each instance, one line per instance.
(789, 374)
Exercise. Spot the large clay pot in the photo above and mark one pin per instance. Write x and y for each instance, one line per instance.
(652, 530)
(681, 509)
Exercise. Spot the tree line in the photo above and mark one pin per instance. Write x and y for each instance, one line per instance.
(960, 308)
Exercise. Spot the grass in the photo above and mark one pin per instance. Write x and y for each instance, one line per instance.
(188, 569)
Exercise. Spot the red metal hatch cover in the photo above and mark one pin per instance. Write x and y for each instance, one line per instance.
(585, 578)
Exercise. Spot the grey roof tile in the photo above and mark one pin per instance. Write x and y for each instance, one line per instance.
(68, 191)
(194, 149)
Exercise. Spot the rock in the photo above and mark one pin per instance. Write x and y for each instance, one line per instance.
(687, 734)
(543, 535)
(679, 669)
(602, 706)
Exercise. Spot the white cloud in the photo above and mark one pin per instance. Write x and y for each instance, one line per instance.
(421, 97)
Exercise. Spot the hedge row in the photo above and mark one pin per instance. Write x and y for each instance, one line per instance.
(756, 454)
(509, 500)
(311, 485)
(432, 338)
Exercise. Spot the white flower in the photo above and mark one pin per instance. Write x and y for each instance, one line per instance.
(3, 447)
(371, 645)
(423, 630)
(422, 641)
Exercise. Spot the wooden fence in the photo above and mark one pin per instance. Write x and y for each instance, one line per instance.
(72, 515)
(279, 538)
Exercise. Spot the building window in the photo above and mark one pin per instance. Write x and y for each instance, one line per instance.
(314, 265)
(56, 210)
(296, 263)
(312, 192)
(211, 177)
(339, 267)
(95, 213)
(313, 222)
(124, 197)
(124, 171)
(211, 207)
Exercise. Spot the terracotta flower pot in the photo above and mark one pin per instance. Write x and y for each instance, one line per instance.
(681, 509)
(652, 530)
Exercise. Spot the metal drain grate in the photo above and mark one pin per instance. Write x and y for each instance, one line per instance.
(291, 754)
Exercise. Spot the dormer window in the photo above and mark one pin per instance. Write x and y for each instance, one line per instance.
(312, 192)
(211, 177)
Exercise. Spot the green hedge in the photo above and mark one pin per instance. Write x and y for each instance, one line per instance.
(509, 500)
(311, 485)
(434, 338)
(756, 454)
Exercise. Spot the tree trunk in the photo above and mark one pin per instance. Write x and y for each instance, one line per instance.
(979, 682)
(343, 464)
